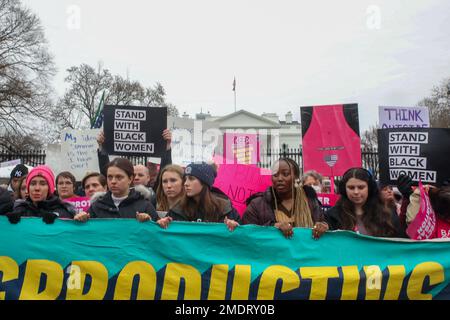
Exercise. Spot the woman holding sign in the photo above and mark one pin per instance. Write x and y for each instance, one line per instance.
(199, 203)
(286, 204)
(41, 200)
(122, 201)
(361, 209)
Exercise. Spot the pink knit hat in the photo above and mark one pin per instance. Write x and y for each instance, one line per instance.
(44, 172)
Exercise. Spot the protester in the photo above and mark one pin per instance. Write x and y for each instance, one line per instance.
(440, 203)
(19, 171)
(41, 200)
(94, 182)
(388, 198)
(360, 208)
(122, 201)
(170, 187)
(21, 192)
(6, 201)
(65, 185)
(142, 177)
(166, 159)
(286, 204)
(199, 203)
(313, 179)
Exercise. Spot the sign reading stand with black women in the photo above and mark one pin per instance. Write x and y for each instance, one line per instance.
(135, 131)
(421, 153)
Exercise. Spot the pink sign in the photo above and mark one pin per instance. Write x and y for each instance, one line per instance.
(424, 225)
(331, 142)
(80, 203)
(328, 199)
(240, 148)
(240, 181)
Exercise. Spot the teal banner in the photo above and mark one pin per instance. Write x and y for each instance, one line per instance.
(125, 259)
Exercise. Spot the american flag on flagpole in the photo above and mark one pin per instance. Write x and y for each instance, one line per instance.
(99, 114)
(234, 84)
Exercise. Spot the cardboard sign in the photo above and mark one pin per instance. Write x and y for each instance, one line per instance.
(79, 152)
(135, 131)
(404, 117)
(424, 225)
(80, 203)
(421, 153)
(240, 181)
(240, 148)
(331, 142)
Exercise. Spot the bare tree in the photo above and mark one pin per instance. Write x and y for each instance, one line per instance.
(369, 138)
(26, 67)
(438, 104)
(77, 108)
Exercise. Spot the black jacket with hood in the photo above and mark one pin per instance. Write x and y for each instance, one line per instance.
(6, 201)
(138, 200)
(26, 208)
(177, 214)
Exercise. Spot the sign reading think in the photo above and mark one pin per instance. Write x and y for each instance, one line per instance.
(403, 117)
(79, 152)
(135, 131)
(421, 153)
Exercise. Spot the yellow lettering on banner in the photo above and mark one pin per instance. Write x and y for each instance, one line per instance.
(218, 284)
(32, 279)
(374, 277)
(351, 283)
(395, 282)
(415, 285)
(241, 282)
(269, 278)
(172, 279)
(147, 281)
(99, 281)
(10, 271)
(319, 277)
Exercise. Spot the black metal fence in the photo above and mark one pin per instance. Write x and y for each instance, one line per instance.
(369, 157)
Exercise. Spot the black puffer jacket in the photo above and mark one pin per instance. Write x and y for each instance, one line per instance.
(6, 201)
(26, 208)
(229, 211)
(102, 205)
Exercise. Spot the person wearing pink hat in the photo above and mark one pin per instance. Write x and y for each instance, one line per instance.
(41, 200)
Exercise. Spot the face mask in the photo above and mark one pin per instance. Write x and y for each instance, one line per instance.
(318, 189)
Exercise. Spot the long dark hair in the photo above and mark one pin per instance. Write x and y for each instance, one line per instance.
(209, 206)
(440, 201)
(376, 217)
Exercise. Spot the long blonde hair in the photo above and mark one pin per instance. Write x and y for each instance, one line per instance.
(162, 204)
(300, 211)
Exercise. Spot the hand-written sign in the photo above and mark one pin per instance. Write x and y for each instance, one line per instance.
(135, 131)
(79, 152)
(240, 181)
(421, 153)
(403, 117)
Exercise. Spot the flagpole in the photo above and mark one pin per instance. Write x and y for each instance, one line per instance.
(235, 100)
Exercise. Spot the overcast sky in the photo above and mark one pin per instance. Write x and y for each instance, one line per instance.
(284, 54)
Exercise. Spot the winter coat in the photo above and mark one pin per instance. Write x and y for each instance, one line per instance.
(261, 208)
(138, 200)
(177, 214)
(334, 220)
(6, 201)
(26, 208)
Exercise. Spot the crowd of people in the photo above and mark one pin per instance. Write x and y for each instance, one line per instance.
(173, 193)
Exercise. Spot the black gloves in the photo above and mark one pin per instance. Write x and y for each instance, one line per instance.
(404, 184)
(49, 217)
(13, 218)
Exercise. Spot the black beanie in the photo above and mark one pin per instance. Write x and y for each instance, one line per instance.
(19, 171)
(202, 171)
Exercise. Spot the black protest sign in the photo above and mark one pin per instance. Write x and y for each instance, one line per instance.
(135, 131)
(421, 153)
